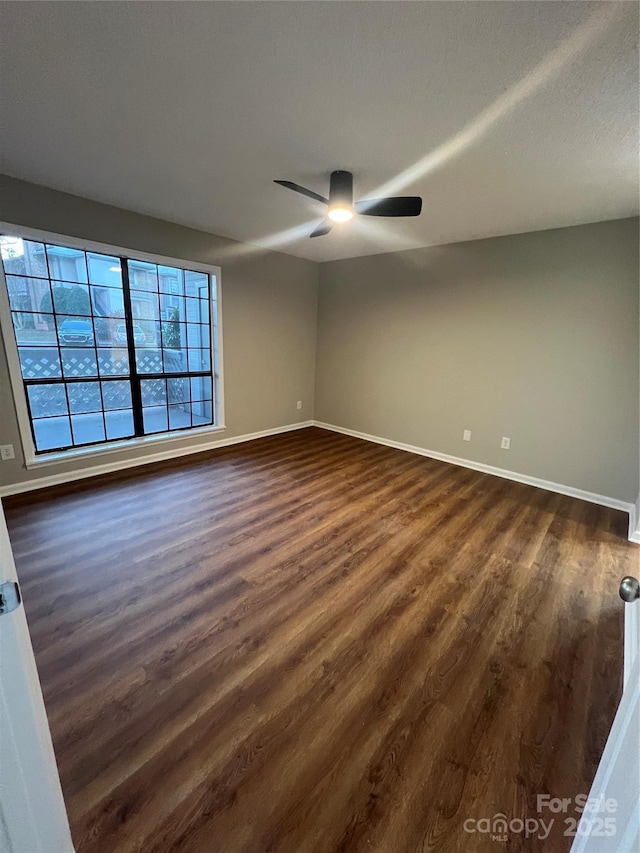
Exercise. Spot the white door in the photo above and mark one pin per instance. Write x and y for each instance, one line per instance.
(33, 818)
(611, 820)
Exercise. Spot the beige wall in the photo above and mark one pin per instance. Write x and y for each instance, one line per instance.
(532, 336)
(269, 305)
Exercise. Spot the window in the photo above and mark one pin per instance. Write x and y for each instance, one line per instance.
(110, 347)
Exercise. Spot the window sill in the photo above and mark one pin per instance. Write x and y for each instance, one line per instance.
(58, 458)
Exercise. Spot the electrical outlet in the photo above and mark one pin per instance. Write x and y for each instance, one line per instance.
(299, 405)
(6, 452)
(466, 435)
(506, 442)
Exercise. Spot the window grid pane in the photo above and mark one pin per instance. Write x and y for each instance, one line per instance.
(23, 257)
(66, 264)
(119, 424)
(69, 310)
(69, 298)
(88, 429)
(32, 295)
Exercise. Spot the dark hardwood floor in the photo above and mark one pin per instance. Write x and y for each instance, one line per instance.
(313, 643)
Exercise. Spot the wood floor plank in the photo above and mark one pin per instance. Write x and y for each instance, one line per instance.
(314, 643)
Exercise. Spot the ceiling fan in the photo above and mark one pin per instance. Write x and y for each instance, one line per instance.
(341, 206)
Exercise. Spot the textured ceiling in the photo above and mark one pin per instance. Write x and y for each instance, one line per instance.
(506, 117)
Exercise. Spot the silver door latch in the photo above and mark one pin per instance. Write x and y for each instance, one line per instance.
(9, 597)
(629, 589)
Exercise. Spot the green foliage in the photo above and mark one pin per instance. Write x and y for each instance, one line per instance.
(68, 300)
(171, 330)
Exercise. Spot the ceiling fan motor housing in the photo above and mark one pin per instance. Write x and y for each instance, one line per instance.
(341, 189)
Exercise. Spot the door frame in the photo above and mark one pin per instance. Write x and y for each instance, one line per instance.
(33, 816)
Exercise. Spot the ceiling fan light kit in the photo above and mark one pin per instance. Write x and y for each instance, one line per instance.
(341, 207)
(340, 214)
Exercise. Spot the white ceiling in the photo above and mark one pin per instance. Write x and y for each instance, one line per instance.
(519, 115)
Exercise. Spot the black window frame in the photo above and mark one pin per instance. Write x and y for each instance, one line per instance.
(134, 377)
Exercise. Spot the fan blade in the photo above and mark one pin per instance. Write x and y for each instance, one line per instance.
(302, 190)
(403, 205)
(322, 229)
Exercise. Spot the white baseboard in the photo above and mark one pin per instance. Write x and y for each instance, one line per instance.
(561, 489)
(119, 465)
